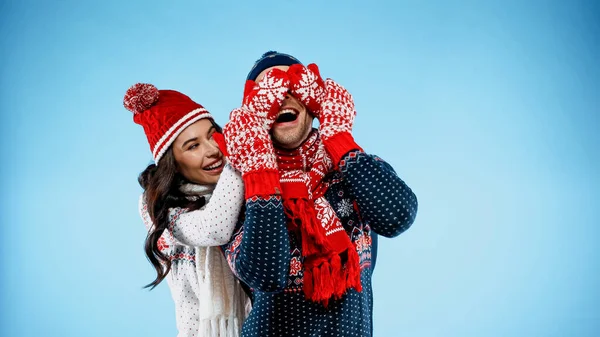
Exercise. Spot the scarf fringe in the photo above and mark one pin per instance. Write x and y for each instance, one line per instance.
(353, 269)
(221, 326)
(304, 217)
(331, 262)
(326, 279)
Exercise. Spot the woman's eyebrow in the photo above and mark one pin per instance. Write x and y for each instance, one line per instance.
(210, 129)
(189, 140)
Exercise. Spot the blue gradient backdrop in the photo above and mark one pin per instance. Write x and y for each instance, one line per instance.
(489, 110)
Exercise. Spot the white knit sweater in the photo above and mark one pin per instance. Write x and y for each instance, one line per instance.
(209, 301)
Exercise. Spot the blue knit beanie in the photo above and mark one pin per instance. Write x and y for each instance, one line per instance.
(270, 59)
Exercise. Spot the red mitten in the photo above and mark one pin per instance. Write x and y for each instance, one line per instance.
(336, 119)
(265, 97)
(247, 135)
(307, 86)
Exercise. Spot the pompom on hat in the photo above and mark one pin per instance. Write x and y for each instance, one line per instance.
(164, 114)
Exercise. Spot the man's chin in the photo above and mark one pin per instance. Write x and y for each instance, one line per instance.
(286, 145)
(288, 142)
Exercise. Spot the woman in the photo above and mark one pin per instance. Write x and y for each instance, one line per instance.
(190, 205)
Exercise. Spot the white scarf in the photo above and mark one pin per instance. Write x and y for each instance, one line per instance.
(223, 303)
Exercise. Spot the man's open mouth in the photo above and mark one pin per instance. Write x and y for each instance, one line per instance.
(287, 115)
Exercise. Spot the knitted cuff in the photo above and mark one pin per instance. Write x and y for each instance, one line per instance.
(264, 183)
(339, 145)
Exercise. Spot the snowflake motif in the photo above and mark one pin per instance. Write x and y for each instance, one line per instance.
(236, 243)
(295, 266)
(368, 241)
(359, 243)
(162, 244)
(345, 208)
(325, 214)
(232, 251)
(363, 243)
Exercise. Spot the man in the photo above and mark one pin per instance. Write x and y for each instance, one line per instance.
(313, 200)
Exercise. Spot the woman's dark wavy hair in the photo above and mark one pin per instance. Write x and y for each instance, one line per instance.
(161, 192)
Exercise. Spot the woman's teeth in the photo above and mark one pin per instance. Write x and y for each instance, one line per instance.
(214, 166)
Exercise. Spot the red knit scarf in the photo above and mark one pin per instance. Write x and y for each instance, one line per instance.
(331, 263)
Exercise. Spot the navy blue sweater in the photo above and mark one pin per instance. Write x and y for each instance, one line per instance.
(265, 256)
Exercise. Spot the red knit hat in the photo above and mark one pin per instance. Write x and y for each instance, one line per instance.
(164, 114)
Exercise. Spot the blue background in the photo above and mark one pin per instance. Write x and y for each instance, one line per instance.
(489, 110)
